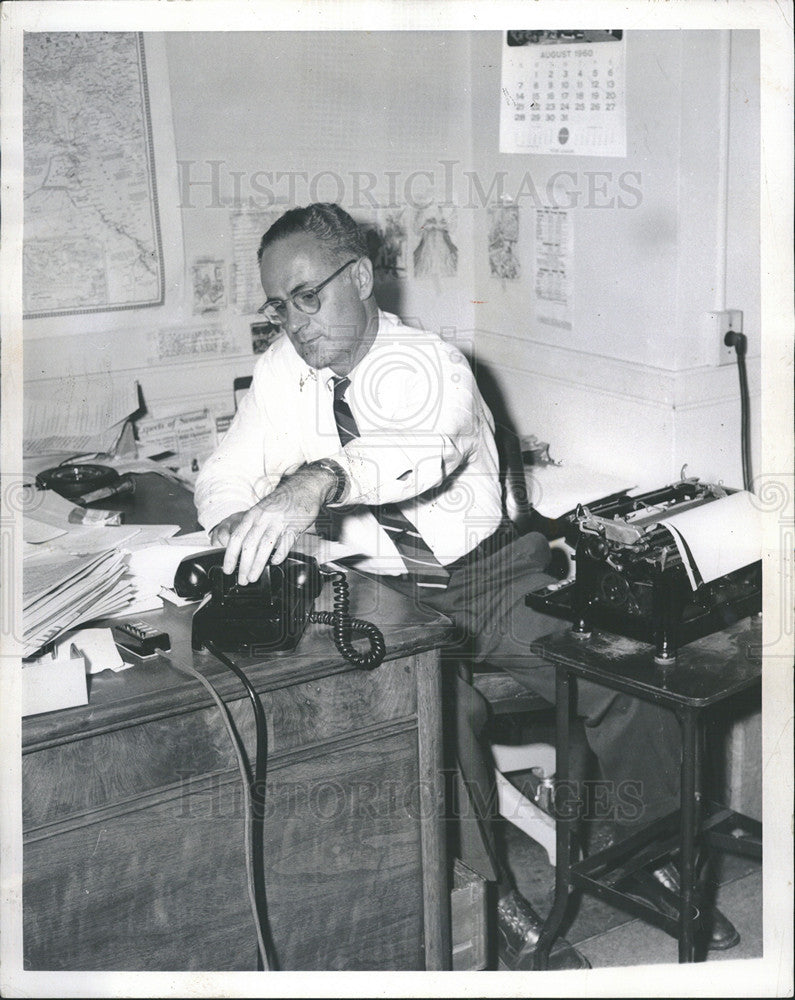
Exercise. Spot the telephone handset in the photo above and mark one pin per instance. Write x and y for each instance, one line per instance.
(272, 613)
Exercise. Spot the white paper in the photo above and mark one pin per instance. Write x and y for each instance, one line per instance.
(722, 536)
(85, 540)
(323, 550)
(53, 682)
(554, 490)
(35, 532)
(97, 648)
(154, 567)
(247, 230)
(193, 539)
(554, 267)
(180, 344)
(78, 414)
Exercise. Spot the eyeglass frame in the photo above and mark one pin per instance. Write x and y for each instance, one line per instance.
(304, 291)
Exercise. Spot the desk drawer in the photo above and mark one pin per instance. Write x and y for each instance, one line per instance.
(70, 781)
(163, 887)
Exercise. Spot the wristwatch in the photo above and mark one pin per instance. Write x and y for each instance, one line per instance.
(340, 479)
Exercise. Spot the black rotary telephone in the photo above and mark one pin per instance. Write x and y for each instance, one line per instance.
(271, 614)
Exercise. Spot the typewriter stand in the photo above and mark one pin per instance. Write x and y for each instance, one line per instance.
(705, 672)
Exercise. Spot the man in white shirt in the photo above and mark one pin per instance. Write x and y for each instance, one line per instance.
(381, 427)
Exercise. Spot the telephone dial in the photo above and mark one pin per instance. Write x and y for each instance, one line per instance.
(272, 613)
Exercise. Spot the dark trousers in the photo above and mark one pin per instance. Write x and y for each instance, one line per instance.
(637, 744)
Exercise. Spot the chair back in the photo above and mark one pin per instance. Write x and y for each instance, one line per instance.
(240, 386)
(515, 498)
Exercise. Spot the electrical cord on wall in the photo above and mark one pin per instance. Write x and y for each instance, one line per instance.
(253, 803)
(740, 344)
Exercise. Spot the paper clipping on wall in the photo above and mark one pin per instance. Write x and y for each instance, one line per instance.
(503, 239)
(554, 267)
(209, 285)
(174, 345)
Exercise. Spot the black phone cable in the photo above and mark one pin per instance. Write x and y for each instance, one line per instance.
(344, 627)
(740, 344)
(257, 792)
(260, 924)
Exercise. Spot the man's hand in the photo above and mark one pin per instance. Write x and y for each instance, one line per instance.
(222, 532)
(270, 528)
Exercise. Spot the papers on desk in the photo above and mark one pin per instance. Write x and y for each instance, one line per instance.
(78, 414)
(61, 591)
(74, 573)
(57, 679)
(54, 681)
(46, 515)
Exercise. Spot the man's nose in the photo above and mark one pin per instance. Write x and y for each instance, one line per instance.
(296, 320)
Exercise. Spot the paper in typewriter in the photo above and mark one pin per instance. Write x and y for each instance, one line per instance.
(718, 537)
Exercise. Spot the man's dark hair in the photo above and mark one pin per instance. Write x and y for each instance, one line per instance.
(324, 220)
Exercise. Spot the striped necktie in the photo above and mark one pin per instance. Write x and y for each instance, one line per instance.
(415, 553)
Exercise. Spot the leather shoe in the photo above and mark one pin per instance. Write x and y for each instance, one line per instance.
(661, 886)
(518, 930)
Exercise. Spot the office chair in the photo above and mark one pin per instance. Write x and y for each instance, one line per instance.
(241, 385)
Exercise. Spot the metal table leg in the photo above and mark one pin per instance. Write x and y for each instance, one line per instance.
(688, 821)
(564, 809)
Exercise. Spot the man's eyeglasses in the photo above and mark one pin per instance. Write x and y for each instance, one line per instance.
(307, 300)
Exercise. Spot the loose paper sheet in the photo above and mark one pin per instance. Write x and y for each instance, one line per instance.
(722, 536)
(83, 414)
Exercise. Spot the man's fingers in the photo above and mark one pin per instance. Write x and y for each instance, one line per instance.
(220, 535)
(253, 561)
(232, 551)
(286, 542)
(237, 539)
(256, 549)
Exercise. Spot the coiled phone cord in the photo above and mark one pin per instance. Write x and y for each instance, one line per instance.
(344, 627)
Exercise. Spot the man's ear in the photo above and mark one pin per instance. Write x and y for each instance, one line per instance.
(363, 277)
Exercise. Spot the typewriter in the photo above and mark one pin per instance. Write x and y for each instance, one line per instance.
(635, 577)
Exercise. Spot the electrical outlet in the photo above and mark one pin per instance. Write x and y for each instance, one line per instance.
(720, 323)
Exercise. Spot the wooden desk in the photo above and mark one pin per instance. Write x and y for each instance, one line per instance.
(134, 854)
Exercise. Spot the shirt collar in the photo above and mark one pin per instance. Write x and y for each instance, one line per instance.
(326, 376)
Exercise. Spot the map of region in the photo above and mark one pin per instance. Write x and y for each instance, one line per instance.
(91, 229)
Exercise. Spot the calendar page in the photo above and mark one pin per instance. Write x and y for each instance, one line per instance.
(563, 92)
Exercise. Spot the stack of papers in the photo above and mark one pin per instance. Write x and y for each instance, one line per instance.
(61, 591)
(74, 573)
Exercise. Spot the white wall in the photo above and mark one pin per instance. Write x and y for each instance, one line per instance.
(353, 117)
(630, 388)
(368, 115)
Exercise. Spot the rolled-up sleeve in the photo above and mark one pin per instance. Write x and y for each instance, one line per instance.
(235, 477)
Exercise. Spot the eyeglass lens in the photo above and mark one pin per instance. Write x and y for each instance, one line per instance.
(308, 301)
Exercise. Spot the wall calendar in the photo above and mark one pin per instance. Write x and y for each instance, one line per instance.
(563, 92)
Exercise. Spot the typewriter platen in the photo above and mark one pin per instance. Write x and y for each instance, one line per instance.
(631, 578)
